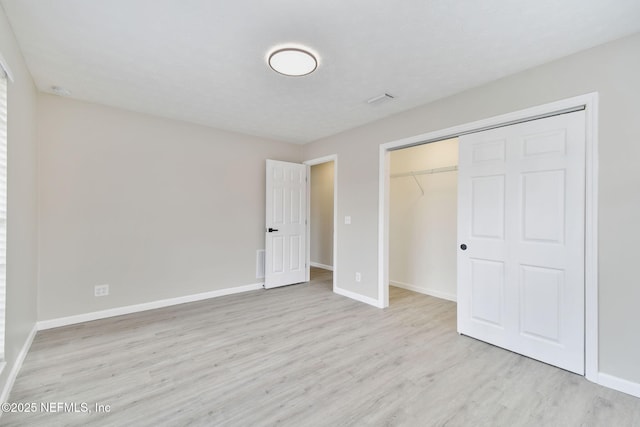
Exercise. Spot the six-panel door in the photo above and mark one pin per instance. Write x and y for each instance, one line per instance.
(521, 216)
(285, 237)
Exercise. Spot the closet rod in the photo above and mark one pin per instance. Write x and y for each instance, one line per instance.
(425, 172)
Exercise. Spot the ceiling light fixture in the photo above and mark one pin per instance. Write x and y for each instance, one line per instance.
(292, 61)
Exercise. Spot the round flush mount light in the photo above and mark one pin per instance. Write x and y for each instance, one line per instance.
(293, 61)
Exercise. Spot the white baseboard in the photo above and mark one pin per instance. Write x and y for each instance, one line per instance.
(425, 291)
(619, 384)
(11, 378)
(119, 311)
(367, 300)
(322, 266)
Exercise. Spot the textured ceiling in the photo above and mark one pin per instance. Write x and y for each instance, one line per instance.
(204, 61)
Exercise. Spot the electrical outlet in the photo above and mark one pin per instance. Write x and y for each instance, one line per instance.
(347, 220)
(101, 290)
(358, 277)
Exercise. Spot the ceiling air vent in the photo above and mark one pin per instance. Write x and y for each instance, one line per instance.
(60, 91)
(380, 98)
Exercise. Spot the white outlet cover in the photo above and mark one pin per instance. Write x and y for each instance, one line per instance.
(101, 290)
(347, 219)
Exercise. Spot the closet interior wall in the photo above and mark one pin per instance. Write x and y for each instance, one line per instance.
(423, 218)
(321, 215)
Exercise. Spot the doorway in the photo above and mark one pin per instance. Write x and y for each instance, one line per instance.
(287, 254)
(322, 213)
(588, 104)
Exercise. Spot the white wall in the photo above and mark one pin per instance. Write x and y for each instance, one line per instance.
(423, 228)
(22, 250)
(612, 70)
(321, 226)
(153, 207)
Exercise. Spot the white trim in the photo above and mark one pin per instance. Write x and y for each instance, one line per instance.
(330, 158)
(322, 266)
(619, 384)
(320, 160)
(384, 182)
(426, 291)
(591, 324)
(357, 297)
(590, 104)
(136, 308)
(5, 67)
(545, 110)
(17, 365)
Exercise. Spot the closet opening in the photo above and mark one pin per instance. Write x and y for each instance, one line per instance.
(423, 219)
(587, 103)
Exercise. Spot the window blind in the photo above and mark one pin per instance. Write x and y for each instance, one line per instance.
(3, 205)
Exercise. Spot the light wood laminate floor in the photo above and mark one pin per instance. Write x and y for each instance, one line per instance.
(301, 356)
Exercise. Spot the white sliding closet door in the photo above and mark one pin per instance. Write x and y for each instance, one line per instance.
(521, 219)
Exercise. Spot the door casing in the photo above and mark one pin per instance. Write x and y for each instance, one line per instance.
(589, 103)
(331, 158)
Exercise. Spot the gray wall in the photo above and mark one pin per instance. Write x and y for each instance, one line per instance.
(153, 207)
(612, 70)
(22, 251)
(321, 227)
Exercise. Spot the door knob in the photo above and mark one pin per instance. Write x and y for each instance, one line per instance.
(271, 230)
(463, 247)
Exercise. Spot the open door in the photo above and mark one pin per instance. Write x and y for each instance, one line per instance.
(285, 234)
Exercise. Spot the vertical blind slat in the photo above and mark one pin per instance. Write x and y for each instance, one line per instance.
(3, 204)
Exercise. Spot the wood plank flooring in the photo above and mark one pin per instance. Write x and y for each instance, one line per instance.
(301, 356)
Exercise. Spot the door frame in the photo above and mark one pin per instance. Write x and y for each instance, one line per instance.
(588, 102)
(325, 159)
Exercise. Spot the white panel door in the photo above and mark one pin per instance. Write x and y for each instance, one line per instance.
(521, 213)
(285, 250)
